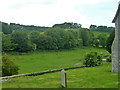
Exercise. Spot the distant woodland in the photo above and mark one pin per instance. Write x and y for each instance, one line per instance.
(24, 38)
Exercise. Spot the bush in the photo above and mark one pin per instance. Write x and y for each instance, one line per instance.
(109, 59)
(8, 66)
(92, 59)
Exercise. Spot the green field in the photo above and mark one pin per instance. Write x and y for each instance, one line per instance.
(47, 60)
(90, 77)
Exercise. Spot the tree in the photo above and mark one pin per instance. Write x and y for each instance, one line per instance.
(101, 28)
(6, 29)
(96, 42)
(7, 45)
(93, 27)
(85, 37)
(21, 39)
(110, 41)
(14, 26)
(102, 40)
(61, 39)
(55, 34)
(44, 42)
(76, 33)
(34, 36)
(67, 25)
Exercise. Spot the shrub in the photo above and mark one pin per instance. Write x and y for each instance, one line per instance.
(8, 66)
(109, 59)
(92, 59)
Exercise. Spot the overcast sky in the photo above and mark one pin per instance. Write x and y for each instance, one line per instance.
(50, 12)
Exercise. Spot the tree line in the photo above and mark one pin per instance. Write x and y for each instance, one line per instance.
(68, 25)
(8, 28)
(101, 28)
(51, 39)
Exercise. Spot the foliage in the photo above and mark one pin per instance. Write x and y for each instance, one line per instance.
(8, 66)
(7, 45)
(23, 43)
(93, 27)
(6, 29)
(96, 42)
(67, 25)
(110, 41)
(14, 26)
(102, 40)
(76, 34)
(109, 59)
(61, 39)
(85, 37)
(34, 36)
(44, 42)
(92, 59)
(101, 28)
(65, 36)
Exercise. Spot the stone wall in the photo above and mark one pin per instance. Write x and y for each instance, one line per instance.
(118, 33)
(116, 46)
(41, 73)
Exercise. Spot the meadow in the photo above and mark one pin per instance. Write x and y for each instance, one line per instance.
(90, 77)
(47, 60)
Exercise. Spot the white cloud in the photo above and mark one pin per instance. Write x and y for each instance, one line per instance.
(45, 12)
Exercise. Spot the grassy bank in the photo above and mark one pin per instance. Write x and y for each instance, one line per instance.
(90, 77)
(47, 60)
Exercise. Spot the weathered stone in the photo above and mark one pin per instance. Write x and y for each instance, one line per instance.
(116, 43)
(40, 73)
(63, 78)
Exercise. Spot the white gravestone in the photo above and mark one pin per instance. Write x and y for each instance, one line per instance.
(63, 78)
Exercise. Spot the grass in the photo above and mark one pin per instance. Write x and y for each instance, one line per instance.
(90, 77)
(47, 60)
